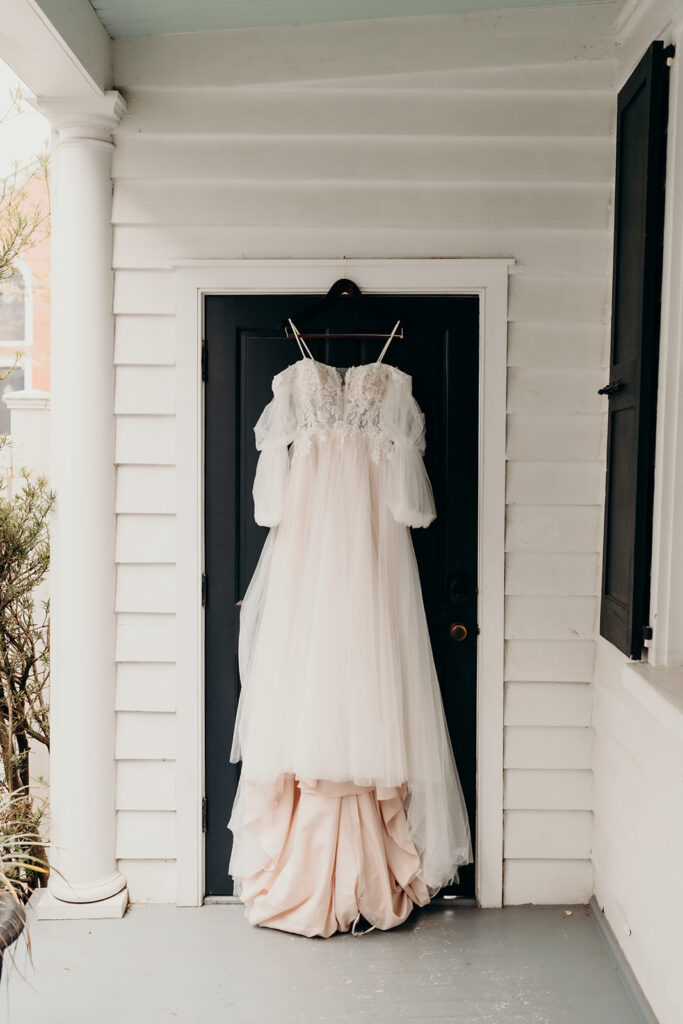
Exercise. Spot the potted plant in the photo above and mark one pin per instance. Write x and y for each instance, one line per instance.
(20, 864)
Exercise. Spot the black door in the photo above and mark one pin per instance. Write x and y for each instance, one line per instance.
(244, 349)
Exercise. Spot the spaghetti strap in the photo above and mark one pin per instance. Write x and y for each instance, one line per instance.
(300, 341)
(387, 342)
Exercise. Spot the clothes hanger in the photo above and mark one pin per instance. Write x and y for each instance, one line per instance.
(349, 293)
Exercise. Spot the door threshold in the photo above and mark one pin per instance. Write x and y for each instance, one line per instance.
(438, 901)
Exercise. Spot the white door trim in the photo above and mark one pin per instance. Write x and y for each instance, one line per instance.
(194, 279)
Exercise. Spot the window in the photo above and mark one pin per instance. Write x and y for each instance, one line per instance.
(13, 309)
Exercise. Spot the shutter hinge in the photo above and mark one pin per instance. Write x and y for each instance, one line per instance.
(204, 589)
(204, 806)
(647, 633)
(205, 359)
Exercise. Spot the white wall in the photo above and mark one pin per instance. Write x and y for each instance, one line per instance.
(638, 709)
(638, 839)
(462, 136)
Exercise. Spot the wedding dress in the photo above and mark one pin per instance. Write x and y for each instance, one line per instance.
(349, 801)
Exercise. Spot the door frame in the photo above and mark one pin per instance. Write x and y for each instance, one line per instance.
(488, 279)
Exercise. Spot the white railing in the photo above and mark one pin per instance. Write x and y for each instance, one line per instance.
(29, 437)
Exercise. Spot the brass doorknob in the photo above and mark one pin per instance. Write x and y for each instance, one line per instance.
(457, 631)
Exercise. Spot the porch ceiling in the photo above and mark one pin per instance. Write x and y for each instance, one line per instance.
(157, 17)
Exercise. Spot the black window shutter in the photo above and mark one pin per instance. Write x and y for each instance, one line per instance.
(632, 388)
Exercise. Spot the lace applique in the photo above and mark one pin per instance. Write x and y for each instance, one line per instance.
(366, 389)
(331, 409)
(318, 400)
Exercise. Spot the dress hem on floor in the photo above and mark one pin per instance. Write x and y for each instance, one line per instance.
(329, 853)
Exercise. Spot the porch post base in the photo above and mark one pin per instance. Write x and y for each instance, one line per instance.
(48, 908)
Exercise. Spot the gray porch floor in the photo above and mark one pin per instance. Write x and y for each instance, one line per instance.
(516, 965)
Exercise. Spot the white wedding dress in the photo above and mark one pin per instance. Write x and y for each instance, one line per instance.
(349, 798)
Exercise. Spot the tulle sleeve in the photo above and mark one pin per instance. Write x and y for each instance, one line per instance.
(409, 491)
(274, 430)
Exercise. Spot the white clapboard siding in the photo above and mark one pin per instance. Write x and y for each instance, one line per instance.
(150, 246)
(559, 392)
(552, 528)
(145, 785)
(558, 438)
(145, 588)
(558, 346)
(545, 747)
(149, 293)
(548, 704)
(313, 111)
(377, 205)
(144, 340)
(414, 160)
(552, 618)
(145, 686)
(546, 834)
(560, 789)
(535, 299)
(575, 252)
(547, 881)
(568, 660)
(543, 572)
(146, 390)
(145, 834)
(146, 489)
(145, 439)
(146, 638)
(145, 735)
(474, 136)
(150, 881)
(554, 482)
(146, 538)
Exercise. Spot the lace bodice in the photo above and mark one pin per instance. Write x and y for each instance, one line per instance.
(325, 405)
(373, 403)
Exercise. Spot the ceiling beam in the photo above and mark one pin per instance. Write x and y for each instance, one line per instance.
(56, 48)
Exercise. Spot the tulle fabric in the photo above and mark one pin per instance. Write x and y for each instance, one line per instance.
(409, 492)
(274, 430)
(338, 677)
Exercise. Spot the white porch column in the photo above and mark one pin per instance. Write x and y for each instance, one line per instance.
(82, 472)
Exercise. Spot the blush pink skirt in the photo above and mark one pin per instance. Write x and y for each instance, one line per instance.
(332, 851)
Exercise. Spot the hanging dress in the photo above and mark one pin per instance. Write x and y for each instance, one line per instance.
(349, 802)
